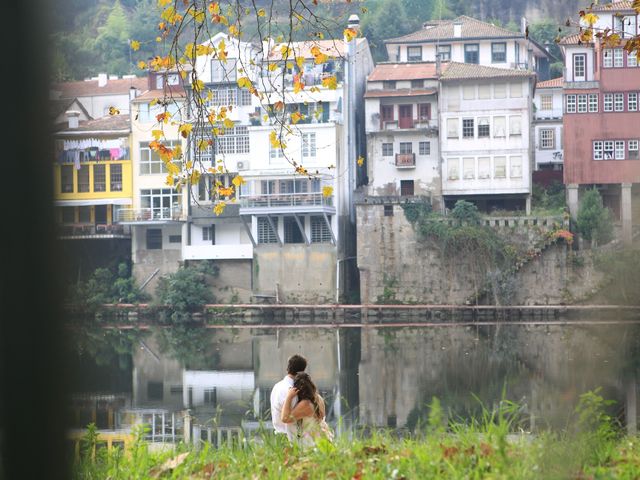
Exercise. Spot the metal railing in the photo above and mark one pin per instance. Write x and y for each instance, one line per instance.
(149, 214)
(80, 229)
(286, 200)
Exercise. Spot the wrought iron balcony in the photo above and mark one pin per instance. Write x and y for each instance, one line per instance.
(405, 160)
(143, 215)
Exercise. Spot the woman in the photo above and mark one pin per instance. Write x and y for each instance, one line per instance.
(309, 412)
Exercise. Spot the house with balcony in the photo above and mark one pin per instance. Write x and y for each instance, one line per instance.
(157, 216)
(485, 136)
(401, 111)
(601, 116)
(547, 131)
(468, 40)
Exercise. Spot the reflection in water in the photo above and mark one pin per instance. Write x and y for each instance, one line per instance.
(369, 376)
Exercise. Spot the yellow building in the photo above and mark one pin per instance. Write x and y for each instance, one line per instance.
(93, 176)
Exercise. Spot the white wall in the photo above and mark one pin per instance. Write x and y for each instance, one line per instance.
(547, 156)
(557, 106)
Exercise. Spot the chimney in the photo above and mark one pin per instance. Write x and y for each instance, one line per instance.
(457, 29)
(72, 118)
(102, 79)
(523, 25)
(132, 93)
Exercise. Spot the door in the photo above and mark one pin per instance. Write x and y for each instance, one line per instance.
(579, 67)
(101, 214)
(406, 116)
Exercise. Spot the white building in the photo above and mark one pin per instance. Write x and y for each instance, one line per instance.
(485, 141)
(467, 40)
(547, 124)
(401, 112)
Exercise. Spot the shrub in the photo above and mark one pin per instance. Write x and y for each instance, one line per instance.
(464, 211)
(105, 286)
(594, 221)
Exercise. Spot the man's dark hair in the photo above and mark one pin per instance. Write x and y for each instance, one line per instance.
(296, 363)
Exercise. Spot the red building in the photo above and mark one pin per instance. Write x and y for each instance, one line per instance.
(601, 121)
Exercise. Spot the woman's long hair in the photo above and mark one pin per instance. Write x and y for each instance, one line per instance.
(307, 391)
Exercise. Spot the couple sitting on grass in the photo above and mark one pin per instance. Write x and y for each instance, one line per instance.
(297, 409)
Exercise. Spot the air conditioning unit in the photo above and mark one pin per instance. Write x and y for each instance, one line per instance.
(243, 165)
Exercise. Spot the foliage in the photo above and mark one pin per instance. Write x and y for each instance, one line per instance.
(107, 346)
(413, 211)
(190, 345)
(550, 200)
(186, 291)
(594, 220)
(105, 286)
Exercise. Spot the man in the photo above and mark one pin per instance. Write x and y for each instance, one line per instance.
(296, 363)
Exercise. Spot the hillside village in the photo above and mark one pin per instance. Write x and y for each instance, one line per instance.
(461, 110)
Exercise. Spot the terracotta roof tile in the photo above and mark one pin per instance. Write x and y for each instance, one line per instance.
(90, 87)
(332, 48)
(462, 71)
(553, 83)
(107, 123)
(573, 39)
(471, 28)
(613, 6)
(172, 92)
(403, 71)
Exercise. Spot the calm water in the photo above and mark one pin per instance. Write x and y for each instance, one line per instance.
(368, 376)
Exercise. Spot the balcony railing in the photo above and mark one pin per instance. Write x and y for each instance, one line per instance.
(90, 230)
(286, 200)
(128, 215)
(405, 159)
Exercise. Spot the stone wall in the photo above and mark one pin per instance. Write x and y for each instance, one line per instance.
(147, 261)
(233, 283)
(397, 267)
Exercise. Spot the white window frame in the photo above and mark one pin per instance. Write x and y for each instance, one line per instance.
(468, 128)
(385, 149)
(618, 58)
(582, 103)
(547, 139)
(309, 149)
(150, 161)
(579, 71)
(618, 102)
(607, 58)
(593, 103)
(417, 58)
(632, 101)
(484, 122)
(424, 148)
(570, 104)
(598, 150)
(499, 131)
(619, 149)
(515, 125)
(546, 102)
(633, 146)
(607, 102)
(608, 149)
(452, 128)
(632, 59)
(444, 51)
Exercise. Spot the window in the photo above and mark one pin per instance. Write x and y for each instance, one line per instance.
(406, 188)
(453, 169)
(468, 168)
(388, 210)
(150, 161)
(619, 149)
(467, 128)
(175, 238)
(618, 57)
(500, 167)
(618, 102)
(582, 103)
(211, 396)
(223, 96)
(387, 149)
(547, 138)
(498, 52)
(633, 149)
(499, 127)
(484, 167)
(593, 102)
(406, 147)
(444, 51)
(471, 53)
(160, 203)
(515, 125)
(115, 177)
(608, 150)
(309, 144)
(265, 233)
(66, 178)
(484, 92)
(144, 112)
(483, 127)
(608, 102)
(83, 179)
(389, 85)
(275, 152)
(632, 101)
(598, 150)
(515, 90)
(292, 233)
(68, 215)
(469, 92)
(99, 178)
(414, 54)
(629, 29)
(571, 104)
(154, 239)
(320, 231)
(516, 166)
(222, 72)
(386, 113)
(500, 90)
(579, 61)
(424, 148)
(84, 214)
(209, 234)
(632, 59)
(417, 83)
(546, 102)
(607, 58)
(452, 128)
(424, 111)
(233, 140)
(155, 390)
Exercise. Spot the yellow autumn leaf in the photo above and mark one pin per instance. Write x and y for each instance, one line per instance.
(164, 3)
(300, 62)
(203, 145)
(327, 191)
(114, 111)
(233, 31)
(360, 161)
(219, 208)
(228, 123)
(238, 180)
(590, 18)
(157, 134)
(296, 117)
(194, 178)
(330, 82)
(272, 66)
(142, 65)
(318, 56)
(298, 85)
(135, 45)
(350, 34)
(244, 82)
(198, 85)
(169, 181)
(261, 12)
(185, 129)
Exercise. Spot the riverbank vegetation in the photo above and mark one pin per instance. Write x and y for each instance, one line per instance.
(492, 446)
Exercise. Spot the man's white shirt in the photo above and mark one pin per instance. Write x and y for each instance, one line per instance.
(278, 397)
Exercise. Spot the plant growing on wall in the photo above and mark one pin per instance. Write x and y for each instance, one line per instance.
(594, 221)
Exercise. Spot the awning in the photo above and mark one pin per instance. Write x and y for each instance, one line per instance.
(88, 202)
